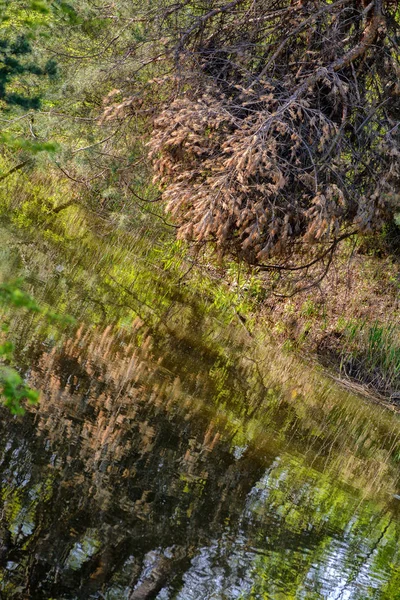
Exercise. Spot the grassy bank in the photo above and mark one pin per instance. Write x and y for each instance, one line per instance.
(349, 322)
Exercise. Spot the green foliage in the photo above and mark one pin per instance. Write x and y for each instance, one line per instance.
(372, 349)
(12, 295)
(309, 309)
(32, 147)
(19, 25)
(13, 389)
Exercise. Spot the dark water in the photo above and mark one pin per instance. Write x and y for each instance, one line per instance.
(188, 462)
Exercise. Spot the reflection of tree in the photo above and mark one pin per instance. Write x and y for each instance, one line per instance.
(118, 424)
(125, 475)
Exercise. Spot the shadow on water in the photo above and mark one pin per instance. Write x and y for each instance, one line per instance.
(175, 457)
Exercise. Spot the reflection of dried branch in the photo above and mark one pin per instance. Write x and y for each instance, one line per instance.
(62, 207)
(163, 570)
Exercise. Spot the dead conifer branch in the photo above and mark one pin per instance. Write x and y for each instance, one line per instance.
(280, 137)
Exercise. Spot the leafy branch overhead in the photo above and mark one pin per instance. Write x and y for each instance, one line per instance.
(283, 131)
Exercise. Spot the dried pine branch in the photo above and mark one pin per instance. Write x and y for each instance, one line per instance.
(286, 135)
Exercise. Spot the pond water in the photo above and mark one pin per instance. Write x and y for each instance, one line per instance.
(178, 457)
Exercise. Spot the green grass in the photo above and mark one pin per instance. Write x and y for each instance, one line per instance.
(372, 353)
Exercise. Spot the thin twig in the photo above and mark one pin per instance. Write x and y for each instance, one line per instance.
(21, 165)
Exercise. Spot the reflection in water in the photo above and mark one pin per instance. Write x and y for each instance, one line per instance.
(156, 469)
(175, 465)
